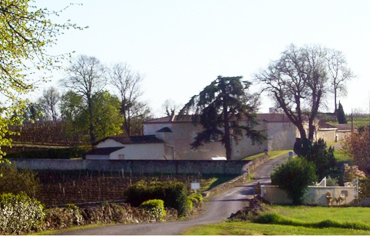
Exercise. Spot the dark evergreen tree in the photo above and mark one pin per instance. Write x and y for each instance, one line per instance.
(226, 111)
(341, 117)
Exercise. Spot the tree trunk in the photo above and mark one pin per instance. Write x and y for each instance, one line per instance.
(91, 124)
(227, 139)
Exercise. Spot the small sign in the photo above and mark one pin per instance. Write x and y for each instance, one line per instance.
(195, 186)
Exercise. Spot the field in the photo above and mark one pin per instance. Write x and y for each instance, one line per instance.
(301, 220)
(63, 187)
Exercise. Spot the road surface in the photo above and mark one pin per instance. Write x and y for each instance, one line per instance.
(218, 209)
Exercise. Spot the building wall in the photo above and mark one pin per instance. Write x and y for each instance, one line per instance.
(109, 143)
(147, 151)
(327, 135)
(343, 134)
(280, 135)
(315, 195)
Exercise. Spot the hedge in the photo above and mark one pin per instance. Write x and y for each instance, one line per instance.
(173, 193)
(155, 208)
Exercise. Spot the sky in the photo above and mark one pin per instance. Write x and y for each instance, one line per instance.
(182, 46)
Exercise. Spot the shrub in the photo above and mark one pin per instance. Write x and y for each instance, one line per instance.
(322, 157)
(155, 208)
(16, 181)
(19, 213)
(173, 193)
(196, 199)
(294, 177)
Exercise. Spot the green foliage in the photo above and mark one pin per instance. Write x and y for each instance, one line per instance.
(19, 214)
(189, 205)
(16, 181)
(155, 208)
(196, 199)
(52, 153)
(322, 157)
(225, 111)
(341, 117)
(173, 193)
(294, 177)
(106, 118)
(26, 33)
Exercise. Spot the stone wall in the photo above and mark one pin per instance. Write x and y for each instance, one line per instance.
(136, 166)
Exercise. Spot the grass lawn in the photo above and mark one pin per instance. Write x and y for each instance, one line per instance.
(301, 215)
(341, 155)
(272, 154)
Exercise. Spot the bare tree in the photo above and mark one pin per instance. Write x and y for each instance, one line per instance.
(86, 76)
(128, 84)
(298, 83)
(49, 101)
(170, 107)
(338, 73)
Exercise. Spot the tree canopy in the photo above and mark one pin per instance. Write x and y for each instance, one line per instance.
(298, 83)
(226, 111)
(26, 33)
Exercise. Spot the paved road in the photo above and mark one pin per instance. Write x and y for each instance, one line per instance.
(218, 209)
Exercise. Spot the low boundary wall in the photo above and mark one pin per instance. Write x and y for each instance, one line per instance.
(315, 195)
(136, 166)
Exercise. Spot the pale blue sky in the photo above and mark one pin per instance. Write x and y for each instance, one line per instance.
(181, 46)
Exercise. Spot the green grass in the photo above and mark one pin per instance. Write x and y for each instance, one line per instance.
(246, 228)
(341, 156)
(272, 154)
(209, 182)
(297, 220)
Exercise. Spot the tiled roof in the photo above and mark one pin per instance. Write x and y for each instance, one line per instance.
(103, 151)
(133, 139)
(273, 117)
(323, 124)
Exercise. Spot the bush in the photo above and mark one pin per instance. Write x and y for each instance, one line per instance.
(294, 177)
(19, 214)
(173, 193)
(16, 181)
(196, 199)
(323, 158)
(155, 208)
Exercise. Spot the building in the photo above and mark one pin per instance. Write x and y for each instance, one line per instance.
(178, 133)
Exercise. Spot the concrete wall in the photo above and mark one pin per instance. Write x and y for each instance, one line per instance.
(135, 166)
(327, 134)
(315, 195)
(280, 135)
(342, 134)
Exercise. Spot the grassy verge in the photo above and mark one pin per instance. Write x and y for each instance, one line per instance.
(272, 154)
(341, 156)
(209, 182)
(301, 220)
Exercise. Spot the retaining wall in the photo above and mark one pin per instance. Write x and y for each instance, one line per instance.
(136, 166)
